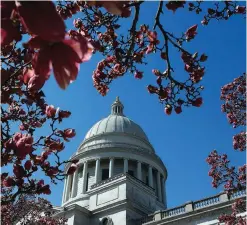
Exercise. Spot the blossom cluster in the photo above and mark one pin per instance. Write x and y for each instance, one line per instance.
(224, 174)
(25, 109)
(29, 209)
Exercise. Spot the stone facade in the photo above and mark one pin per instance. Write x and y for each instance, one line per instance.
(121, 181)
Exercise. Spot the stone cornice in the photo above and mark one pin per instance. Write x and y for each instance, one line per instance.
(124, 175)
(71, 207)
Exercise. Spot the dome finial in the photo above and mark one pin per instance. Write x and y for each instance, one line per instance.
(117, 107)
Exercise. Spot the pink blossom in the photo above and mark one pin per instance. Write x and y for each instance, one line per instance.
(74, 51)
(28, 165)
(152, 89)
(18, 171)
(72, 169)
(240, 9)
(191, 32)
(178, 109)
(168, 110)
(64, 114)
(23, 143)
(45, 189)
(50, 111)
(174, 5)
(197, 102)
(8, 182)
(69, 133)
(114, 7)
(33, 81)
(138, 75)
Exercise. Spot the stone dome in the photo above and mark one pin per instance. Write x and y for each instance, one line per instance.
(116, 122)
(116, 130)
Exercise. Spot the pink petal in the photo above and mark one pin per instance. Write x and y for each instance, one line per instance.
(37, 43)
(113, 7)
(41, 18)
(42, 62)
(81, 46)
(65, 68)
(9, 33)
(7, 8)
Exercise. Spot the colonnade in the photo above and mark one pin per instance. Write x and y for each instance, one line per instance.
(71, 181)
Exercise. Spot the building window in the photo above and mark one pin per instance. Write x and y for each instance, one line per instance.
(147, 180)
(105, 174)
(106, 221)
(131, 173)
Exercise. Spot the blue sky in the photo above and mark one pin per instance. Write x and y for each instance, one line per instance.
(182, 141)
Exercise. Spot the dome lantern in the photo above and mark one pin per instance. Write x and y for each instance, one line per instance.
(117, 107)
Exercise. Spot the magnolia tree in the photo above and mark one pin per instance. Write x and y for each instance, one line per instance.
(29, 209)
(231, 178)
(33, 38)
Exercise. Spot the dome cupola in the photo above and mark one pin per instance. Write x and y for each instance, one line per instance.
(117, 107)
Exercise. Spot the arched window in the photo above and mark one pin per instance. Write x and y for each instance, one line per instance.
(106, 221)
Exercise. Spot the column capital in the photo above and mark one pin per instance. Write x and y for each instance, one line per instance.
(112, 158)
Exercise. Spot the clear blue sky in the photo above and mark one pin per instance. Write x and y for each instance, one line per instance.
(182, 141)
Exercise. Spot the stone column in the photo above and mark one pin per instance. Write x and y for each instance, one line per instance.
(162, 190)
(64, 189)
(75, 183)
(150, 176)
(159, 186)
(97, 171)
(139, 170)
(111, 167)
(68, 188)
(84, 176)
(126, 169)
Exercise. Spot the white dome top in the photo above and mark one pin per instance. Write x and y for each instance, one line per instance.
(116, 122)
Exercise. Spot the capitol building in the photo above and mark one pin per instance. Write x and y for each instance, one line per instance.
(121, 181)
